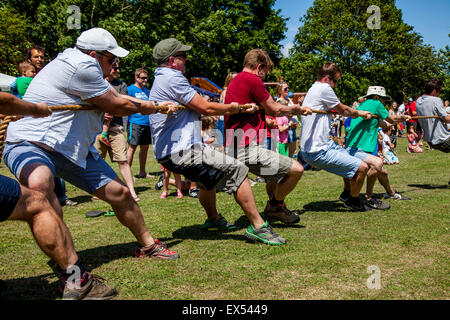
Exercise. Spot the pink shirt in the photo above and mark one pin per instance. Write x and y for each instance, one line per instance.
(282, 137)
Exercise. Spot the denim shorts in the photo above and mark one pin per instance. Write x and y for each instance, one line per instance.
(334, 159)
(96, 175)
(358, 153)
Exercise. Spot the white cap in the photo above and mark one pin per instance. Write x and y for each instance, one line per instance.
(98, 39)
(377, 91)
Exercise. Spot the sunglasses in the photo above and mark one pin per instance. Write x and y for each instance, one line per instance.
(286, 89)
(180, 55)
(111, 59)
(116, 68)
(143, 78)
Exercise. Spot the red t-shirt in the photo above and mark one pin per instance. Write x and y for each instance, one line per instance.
(246, 88)
(411, 109)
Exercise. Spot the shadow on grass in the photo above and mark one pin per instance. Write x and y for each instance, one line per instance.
(321, 206)
(43, 287)
(141, 189)
(82, 199)
(429, 186)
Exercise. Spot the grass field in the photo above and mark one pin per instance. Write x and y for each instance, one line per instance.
(327, 255)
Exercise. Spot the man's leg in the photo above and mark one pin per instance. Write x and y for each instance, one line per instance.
(288, 183)
(130, 154)
(357, 182)
(130, 215)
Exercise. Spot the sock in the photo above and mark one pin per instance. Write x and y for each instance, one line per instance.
(274, 202)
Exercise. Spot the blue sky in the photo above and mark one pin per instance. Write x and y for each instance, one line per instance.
(430, 18)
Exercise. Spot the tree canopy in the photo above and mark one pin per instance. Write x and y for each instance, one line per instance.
(392, 55)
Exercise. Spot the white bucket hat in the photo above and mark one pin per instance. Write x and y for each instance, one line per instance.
(98, 39)
(377, 91)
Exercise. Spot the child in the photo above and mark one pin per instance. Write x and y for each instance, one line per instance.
(283, 133)
(166, 184)
(387, 147)
(27, 73)
(412, 138)
(207, 130)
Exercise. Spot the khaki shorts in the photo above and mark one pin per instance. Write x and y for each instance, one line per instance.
(208, 168)
(268, 164)
(118, 150)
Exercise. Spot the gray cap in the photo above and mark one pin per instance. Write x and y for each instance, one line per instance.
(166, 48)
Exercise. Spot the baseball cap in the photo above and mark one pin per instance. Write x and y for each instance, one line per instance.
(166, 48)
(98, 39)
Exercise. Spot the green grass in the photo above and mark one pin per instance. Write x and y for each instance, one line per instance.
(326, 257)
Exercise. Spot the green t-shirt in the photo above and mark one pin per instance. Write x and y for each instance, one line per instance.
(363, 134)
(22, 85)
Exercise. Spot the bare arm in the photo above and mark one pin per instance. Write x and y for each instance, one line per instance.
(120, 105)
(11, 105)
(346, 111)
(275, 109)
(212, 108)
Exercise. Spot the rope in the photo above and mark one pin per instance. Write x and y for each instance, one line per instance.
(76, 107)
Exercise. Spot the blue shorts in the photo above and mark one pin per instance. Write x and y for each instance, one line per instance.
(292, 135)
(334, 159)
(9, 196)
(96, 175)
(358, 153)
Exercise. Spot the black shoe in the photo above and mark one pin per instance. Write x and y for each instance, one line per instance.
(377, 204)
(356, 205)
(344, 195)
(159, 184)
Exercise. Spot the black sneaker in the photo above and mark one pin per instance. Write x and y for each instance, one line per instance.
(356, 205)
(344, 195)
(377, 204)
(159, 184)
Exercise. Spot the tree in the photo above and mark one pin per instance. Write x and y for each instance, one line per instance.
(13, 39)
(391, 55)
(220, 31)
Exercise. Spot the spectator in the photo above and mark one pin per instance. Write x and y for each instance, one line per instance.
(27, 72)
(398, 127)
(412, 139)
(117, 148)
(283, 95)
(139, 125)
(387, 146)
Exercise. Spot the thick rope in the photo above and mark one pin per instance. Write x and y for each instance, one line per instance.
(76, 107)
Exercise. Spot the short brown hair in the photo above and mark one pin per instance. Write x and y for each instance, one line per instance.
(24, 66)
(432, 84)
(258, 56)
(138, 72)
(229, 77)
(35, 47)
(329, 69)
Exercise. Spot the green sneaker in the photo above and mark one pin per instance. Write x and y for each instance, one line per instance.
(220, 225)
(265, 234)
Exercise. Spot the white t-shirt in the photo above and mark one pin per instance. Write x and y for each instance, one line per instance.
(315, 130)
(180, 130)
(70, 78)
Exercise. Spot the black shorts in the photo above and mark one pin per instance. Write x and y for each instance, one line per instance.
(9, 196)
(139, 135)
(443, 146)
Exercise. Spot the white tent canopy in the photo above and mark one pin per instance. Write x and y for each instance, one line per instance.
(5, 82)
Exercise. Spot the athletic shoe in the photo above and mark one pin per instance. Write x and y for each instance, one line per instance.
(180, 194)
(94, 289)
(344, 195)
(259, 179)
(356, 205)
(157, 250)
(163, 195)
(265, 234)
(220, 225)
(252, 183)
(377, 204)
(193, 193)
(280, 212)
(396, 196)
(159, 184)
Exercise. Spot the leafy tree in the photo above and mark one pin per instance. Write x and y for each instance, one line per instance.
(392, 55)
(13, 39)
